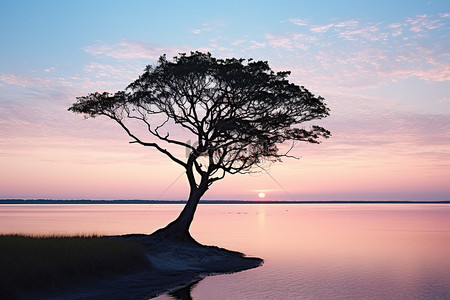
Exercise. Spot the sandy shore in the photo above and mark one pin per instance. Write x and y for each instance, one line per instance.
(173, 266)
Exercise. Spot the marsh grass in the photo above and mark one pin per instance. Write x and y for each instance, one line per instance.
(40, 263)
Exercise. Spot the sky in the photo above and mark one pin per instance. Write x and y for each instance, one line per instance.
(382, 66)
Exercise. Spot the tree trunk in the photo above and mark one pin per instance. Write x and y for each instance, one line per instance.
(178, 230)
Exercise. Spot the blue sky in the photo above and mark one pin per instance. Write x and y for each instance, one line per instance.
(383, 67)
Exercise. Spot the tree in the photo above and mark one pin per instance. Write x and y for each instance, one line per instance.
(239, 112)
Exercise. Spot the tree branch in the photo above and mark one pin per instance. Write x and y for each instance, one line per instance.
(154, 145)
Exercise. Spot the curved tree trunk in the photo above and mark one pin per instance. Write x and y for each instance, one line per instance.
(178, 230)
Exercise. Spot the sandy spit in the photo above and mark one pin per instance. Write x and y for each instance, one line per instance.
(173, 266)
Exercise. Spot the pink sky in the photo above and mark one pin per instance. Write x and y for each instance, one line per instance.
(386, 82)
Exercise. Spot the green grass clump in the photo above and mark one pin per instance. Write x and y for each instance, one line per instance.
(40, 263)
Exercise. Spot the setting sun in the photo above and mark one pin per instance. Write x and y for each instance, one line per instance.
(261, 195)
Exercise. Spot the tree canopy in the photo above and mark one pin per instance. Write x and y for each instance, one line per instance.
(239, 112)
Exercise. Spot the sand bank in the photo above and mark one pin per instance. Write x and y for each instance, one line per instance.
(173, 266)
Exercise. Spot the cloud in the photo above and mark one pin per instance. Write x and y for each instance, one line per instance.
(371, 33)
(397, 29)
(237, 42)
(325, 28)
(24, 81)
(423, 23)
(220, 48)
(101, 79)
(354, 29)
(299, 22)
(407, 133)
(347, 54)
(132, 50)
(356, 54)
(27, 81)
(256, 44)
(368, 129)
(100, 69)
(277, 41)
(348, 24)
(440, 73)
(117, 71)
(321, 28)
(205, 27)
(290, 41)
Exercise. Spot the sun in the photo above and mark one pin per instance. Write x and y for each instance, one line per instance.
(261, 195)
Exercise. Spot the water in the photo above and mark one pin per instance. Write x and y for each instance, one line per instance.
(316, 251)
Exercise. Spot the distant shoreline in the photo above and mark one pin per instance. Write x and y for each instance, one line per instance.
(48, 201)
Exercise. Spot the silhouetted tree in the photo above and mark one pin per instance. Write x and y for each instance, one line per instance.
(238, 112)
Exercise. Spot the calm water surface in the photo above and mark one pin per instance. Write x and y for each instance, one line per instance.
(317, 251)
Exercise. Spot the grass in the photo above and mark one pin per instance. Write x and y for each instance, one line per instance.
(40, 263)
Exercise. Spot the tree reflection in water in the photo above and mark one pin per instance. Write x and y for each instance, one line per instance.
(184, 293)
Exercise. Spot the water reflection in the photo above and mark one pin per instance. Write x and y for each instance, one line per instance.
(394, 251)
(101, 219)
(184, 293)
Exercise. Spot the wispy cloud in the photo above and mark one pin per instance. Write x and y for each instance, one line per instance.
(99, 79)
(354, 54)
(397, 29)
(423, 23)
(371, 33)
(325, 28)
(24, 81)
(347, 24)
(366, 130)
(256, 44)
(346, 54)
(218, 47)
(132, 50)
(204, 28)
(299, 22)
(321, 28)
(290, 41)
(279, 41)
(118, 71)
(101, 69)
(28, 81)
(351, 29)
(237, 42)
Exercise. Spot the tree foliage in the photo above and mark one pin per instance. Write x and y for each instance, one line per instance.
(238, 111)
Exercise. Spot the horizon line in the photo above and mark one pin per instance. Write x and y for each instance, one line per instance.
(138, 201)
